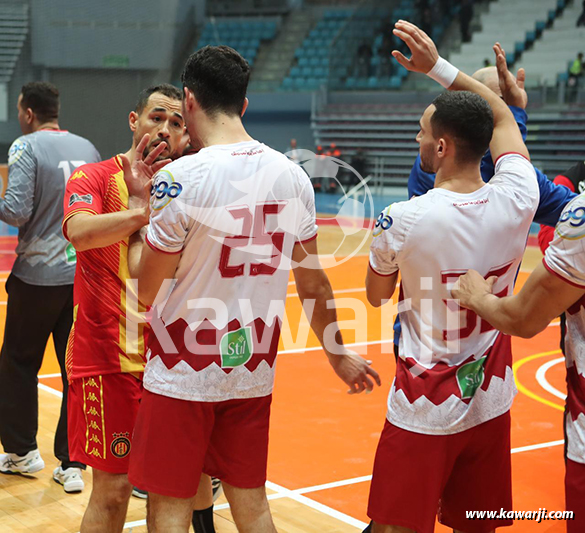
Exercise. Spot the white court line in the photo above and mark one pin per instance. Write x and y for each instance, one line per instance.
(50, 390)
(297, 494)
(538, 446)
(350, 520)
(543, 382)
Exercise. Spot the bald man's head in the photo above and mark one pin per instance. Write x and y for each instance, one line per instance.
(489, 77)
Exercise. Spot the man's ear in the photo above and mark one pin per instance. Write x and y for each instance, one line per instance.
(442, 147)
(188, 99)
(246, 102)
(132, 120)
(29, 116)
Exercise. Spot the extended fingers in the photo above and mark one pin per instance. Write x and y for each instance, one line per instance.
(375, 375)
(402, 59)
(142, 146)
(160, 164)
(152, 156)
(405, 36)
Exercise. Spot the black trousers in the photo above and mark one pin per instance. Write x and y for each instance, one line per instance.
(33, 313)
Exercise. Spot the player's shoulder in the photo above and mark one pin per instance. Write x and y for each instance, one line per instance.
(571, 224)
(393, 217)
(18, 148)
(78, 139)
(98, 170)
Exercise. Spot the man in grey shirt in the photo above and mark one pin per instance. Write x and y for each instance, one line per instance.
(40, 287)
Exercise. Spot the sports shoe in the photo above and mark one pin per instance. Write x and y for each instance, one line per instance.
(32, 462)
(139, 493)
(216, 488)
(70, 478)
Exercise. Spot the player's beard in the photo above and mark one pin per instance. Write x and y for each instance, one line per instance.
(427, 159)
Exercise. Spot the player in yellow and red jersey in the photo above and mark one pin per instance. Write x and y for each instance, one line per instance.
(105, 356)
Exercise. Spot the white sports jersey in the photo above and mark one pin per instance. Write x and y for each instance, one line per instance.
(454, 370)
(234, 213)
(565, 257)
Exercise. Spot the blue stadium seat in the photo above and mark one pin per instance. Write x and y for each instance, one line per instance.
(395, 82)
(307, 72)
(373, 82)
(540, 26)
(312, 83)
(530, 36)
(304, 62)
(319, 72)
(287, 83)
(351, 83)
(295, 72)
(315, 61)
(519, 47)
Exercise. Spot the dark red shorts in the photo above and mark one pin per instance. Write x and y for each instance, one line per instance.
(417, 477)
(176, 440)
(101, 413)
(575, 495)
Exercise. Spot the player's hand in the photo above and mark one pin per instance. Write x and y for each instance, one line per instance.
(423, 49)
(355, 371)
(471, 287)
(138, 175)
(512, 87)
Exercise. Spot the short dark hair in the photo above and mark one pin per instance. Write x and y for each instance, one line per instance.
(466, 117)
(218, 77)
(43, 98)
(165, 89)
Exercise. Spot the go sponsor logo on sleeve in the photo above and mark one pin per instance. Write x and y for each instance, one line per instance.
(383, 222)
(164, 190)
(16, 150)
(571, 225)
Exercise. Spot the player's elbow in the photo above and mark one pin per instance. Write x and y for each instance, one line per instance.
(374, 299)
(528, 329)
(80, 242)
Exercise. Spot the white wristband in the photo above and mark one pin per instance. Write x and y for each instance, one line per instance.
(443, 72)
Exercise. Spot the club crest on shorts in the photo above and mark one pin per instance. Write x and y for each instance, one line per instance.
(120, 445)
(236, 348)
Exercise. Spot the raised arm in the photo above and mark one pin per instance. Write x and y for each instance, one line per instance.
(425, 59)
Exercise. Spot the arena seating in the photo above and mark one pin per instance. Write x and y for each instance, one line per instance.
(312, 58)
(516, 25)
(244, 35)
(328, 54)
(387, 135)
(547, 60)
(14, 27)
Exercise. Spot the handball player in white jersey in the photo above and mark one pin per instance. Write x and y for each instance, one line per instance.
(555, 286)
(445, 447)
(228, 223)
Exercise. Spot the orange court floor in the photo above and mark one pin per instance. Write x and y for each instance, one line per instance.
(322, 440)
